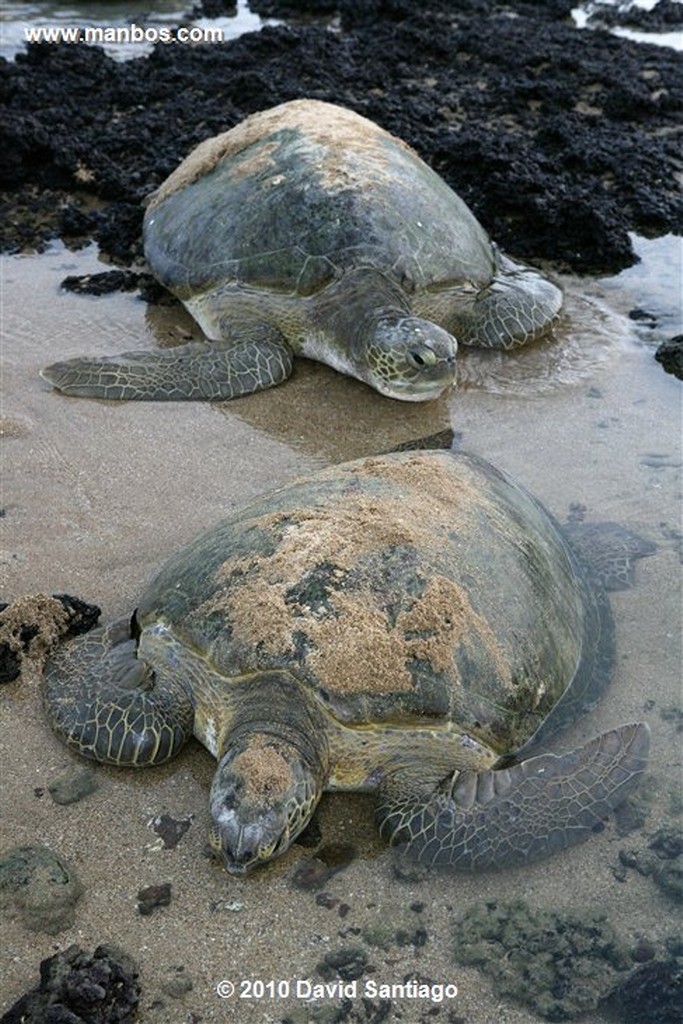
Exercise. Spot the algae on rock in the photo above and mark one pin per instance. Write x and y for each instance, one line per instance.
(560, 964)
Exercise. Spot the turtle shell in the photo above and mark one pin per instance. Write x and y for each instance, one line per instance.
(295, 196)
(413, 588)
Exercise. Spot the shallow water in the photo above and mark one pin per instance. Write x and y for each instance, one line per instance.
(674, 40)
(98, 494)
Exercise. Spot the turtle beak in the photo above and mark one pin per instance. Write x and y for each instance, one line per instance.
(242, 851)
(237, 870)
(242, 856)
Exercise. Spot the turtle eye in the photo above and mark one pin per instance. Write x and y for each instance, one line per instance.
(421, 358)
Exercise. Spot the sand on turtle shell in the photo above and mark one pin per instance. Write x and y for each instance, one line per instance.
(358, 647)
(353, 135)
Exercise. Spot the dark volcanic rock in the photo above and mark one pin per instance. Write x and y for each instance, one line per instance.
(559, 139)
(154, 896)
(170, 830)
(665, 16)
(314, 872)
(560, 964)
(654, 992)
(76, 988)
(670, 355)
(104, 283)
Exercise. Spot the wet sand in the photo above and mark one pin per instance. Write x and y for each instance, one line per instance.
(98, 494)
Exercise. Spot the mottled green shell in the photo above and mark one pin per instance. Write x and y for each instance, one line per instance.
(294, 197)
(411, 588)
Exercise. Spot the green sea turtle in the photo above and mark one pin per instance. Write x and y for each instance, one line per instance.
(308, 230)
(413, 623)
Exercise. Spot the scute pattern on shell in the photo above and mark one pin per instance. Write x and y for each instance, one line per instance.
(294, 197)
(411, 588)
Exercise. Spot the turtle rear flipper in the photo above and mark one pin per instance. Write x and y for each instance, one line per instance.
(108, 704)
(188, 372)
(505, 818)
(609, 551)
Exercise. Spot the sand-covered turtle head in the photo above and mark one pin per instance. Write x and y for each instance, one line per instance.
(263, 795)
(409, 358)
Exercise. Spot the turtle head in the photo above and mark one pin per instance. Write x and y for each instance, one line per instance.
(409, 358)
(263, 795)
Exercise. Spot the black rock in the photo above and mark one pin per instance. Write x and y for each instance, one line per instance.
(154, 896)
(170, 830)
(76, 988)
(654, 992)
(102, 284)
(666, 15)
(348, 964)
(670, 355)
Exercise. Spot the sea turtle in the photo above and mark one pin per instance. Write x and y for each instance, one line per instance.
(308, 230)
(413, 623)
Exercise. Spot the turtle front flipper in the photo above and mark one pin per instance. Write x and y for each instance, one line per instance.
(194, 372)
(109, 705)
(517, 306)
(505, 818)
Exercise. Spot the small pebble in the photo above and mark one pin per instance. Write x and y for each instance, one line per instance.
(644, 317)
(346, 963)
(310, 873)
(643, 952)
(154, 896)
(170, 830)
(314, 872)
(73, 785)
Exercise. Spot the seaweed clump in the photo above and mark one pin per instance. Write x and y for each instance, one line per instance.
(562, 965)
(662, 861)
(40, 886)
